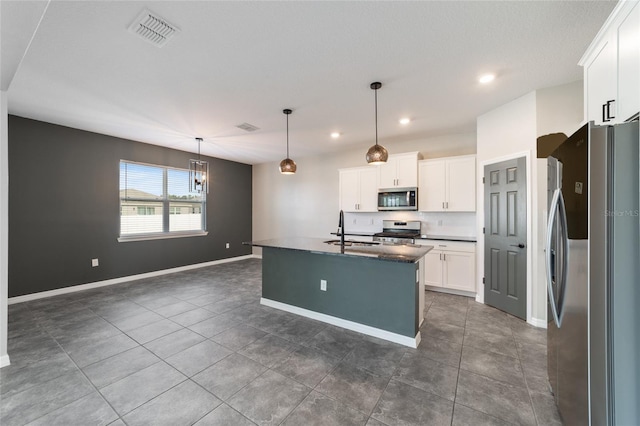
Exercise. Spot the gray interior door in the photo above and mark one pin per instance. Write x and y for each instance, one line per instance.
(505, 236)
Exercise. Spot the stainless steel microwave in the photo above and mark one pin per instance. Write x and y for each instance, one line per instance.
(398, 199)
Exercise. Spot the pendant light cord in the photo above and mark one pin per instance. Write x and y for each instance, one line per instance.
(287, 135)
(376, 103)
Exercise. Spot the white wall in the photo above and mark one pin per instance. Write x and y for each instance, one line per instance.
(560, 109)
(4, 227)
(510, 131)
(306, 204)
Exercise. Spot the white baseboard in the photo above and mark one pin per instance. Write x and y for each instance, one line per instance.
(97, 284)
(349, 325)
(4, 360)
(537, 322)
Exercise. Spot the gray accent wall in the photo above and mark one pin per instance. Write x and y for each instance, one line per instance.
(64, 209)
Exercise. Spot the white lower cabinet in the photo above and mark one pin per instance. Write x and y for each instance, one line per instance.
(450, 265)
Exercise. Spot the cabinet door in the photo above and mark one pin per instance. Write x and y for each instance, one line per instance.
(432, 187)
(433, 268)
(461, 185)
(407, 171)
(388, 173)
(349, 190)
(368, 189)
(629, 65)
(601, 81)
(460, 271)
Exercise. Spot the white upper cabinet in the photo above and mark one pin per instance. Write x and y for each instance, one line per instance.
(600, 83)
(612, 67)
(359, 189)
(629, 64)
(432, 190)
(447, 184)
(400, 171)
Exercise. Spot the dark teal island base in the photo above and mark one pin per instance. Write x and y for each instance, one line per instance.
(366, 293)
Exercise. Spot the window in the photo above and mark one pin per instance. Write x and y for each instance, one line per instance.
(155, 202)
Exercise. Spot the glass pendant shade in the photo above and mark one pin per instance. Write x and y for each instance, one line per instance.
(198, 172)
(288, 166)
(377, 154)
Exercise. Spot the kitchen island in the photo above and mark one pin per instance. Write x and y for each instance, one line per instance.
(374, 289)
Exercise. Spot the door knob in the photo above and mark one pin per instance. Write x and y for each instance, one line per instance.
(518, 245)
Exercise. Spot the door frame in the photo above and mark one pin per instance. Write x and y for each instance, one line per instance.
(528, 155)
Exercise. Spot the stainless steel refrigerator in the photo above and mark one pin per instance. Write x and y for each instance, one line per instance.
(593, 276)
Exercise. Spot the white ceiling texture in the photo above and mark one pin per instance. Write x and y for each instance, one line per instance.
(77, 65)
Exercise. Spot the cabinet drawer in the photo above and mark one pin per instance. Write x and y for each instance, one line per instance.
(449, 245)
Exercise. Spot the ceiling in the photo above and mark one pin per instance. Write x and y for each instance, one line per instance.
(74, 63)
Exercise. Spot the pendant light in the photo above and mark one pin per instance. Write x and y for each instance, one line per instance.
(377, 154)
(287, 166)
(198, 171)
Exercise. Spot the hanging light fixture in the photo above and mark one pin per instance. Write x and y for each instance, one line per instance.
(287, 166)
(377, 154)
(198, 171)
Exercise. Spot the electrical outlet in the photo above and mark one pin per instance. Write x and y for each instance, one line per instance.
(440, 223)
(371, 223)
(355, 222)
(227, 245)
(323, 285)
(94, 263)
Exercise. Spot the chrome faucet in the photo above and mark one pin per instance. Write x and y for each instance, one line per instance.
(341, 228)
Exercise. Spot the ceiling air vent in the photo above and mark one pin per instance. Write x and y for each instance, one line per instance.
(153, 28)
(247, 127)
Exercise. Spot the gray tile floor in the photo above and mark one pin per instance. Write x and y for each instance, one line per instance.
(196, 347)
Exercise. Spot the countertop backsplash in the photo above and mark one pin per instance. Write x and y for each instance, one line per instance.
(433, 224)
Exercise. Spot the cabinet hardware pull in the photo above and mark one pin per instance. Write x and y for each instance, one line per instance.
(606, 111)
(443, 205)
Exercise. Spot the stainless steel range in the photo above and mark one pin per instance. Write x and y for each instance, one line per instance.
(398, 232)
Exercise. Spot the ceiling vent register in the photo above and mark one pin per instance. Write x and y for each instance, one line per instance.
(153, 28)
(247, 127)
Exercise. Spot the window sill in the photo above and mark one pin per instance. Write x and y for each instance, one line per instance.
(149, 237)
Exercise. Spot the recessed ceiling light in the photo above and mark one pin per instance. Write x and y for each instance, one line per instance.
(487, 78)
(335, 135)
(404, 121)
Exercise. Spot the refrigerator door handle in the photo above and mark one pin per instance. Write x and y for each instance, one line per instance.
(562, 287)
(553, 211)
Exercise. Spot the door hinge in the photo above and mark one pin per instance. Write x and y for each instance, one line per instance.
(482, 280)
(483, 180)
(483, 229)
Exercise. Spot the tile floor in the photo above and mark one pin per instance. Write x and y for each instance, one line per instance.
(196, 347)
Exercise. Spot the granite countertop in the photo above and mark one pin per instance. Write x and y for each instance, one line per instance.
(357, 234)
(448, 238)
(422, 237)
(388, 252)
